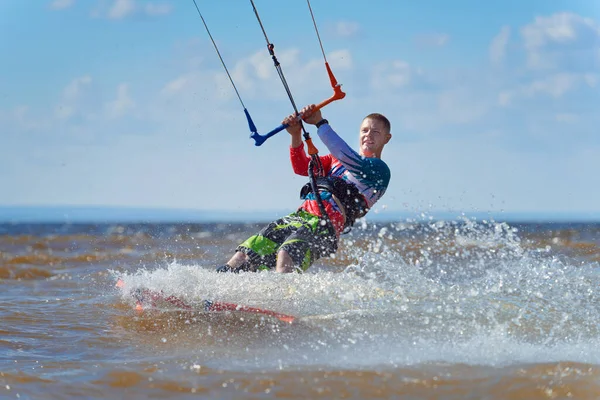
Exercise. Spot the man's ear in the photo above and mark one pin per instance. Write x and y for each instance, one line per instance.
(388, 137)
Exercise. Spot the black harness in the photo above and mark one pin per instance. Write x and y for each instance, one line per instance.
(354, 203)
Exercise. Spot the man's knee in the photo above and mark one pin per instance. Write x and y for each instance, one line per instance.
(285, 263)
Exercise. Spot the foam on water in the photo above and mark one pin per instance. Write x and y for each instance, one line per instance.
(461, 292)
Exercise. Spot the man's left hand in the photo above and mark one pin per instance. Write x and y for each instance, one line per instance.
(311, 115)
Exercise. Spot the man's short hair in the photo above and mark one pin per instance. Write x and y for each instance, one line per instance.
(381, 118)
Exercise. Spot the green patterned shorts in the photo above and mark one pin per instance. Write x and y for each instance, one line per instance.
(301, 234)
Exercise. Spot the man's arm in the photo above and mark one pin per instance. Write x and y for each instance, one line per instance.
(370, 171)
(298, 156)
(363, 168)
(371, 174)
(335, 144)
(299, 159)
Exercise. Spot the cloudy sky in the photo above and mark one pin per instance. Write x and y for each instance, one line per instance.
(494, 105)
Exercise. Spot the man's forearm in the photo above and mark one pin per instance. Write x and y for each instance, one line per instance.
(296, 140)
(299, 159)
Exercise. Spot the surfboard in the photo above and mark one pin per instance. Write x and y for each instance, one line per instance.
(152, 299)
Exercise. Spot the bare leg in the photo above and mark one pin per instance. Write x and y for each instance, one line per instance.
(285, 264)
(238, 259)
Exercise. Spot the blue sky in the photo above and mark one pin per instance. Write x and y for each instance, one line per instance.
(494, 105)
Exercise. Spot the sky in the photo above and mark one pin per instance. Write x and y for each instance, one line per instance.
(494, 106)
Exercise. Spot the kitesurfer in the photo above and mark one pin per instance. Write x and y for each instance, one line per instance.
(352, 183)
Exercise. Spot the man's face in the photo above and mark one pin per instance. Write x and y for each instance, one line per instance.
(373, 136)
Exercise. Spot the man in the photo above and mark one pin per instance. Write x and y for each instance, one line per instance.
(352, 184)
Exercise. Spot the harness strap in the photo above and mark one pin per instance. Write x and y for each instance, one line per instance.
(346, 195)
(313, 185)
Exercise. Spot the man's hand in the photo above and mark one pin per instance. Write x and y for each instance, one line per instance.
(294, 129)
(311, 115)
(293, 123)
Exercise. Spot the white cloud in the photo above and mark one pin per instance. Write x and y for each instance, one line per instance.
(75, 87)
(433, 39)
(498, 47)
(76, 101)
(176, 85)
(461, 105)
(121, 104)
(262, 67)
(567, 117)
(591, 80)
(562, 37)
(340, 60)
(157, 9)
(347, 29)
(61, 4)
(256, 73)
(392, 75)
(555, 86)
(20, 119)
(64, 111)
(20, 113)
(505, 97)
(121, 8)
(70, 96)
(561, 54)
(431, 101)
(556, 28)
(255, 76)
(189, 88)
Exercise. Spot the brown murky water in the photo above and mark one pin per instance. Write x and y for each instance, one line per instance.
(412, 310)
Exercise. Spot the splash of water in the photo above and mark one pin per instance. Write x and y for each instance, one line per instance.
(461, 291)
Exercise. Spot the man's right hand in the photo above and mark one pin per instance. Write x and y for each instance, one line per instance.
(293, 123)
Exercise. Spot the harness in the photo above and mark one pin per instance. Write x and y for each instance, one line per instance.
(354, 205)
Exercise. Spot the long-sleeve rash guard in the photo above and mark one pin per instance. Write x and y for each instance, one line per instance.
(370, 175)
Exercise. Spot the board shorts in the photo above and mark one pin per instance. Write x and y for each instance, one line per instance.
(303, 235)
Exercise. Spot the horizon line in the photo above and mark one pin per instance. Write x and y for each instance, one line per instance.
(102, 213)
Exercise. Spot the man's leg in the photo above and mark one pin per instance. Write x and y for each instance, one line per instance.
(260, 251)
(239, 262)
(285, 264)
(304, 246)
(238, 259)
